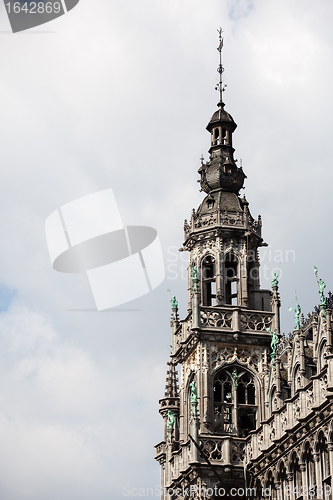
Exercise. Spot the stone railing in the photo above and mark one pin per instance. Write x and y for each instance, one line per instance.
(160, 448)
(223, 449)
(212, 448)
(254, 320)
(231, 318)
(220, 450)
(216, 318)
(238, 451)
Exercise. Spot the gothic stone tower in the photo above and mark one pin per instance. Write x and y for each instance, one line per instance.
(223, 345)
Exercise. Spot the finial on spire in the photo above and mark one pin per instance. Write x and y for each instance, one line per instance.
(220, 87)
(202, 160)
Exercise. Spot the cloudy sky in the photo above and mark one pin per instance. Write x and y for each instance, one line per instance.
(118, 94)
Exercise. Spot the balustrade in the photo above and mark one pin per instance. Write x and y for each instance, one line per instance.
(223, 317)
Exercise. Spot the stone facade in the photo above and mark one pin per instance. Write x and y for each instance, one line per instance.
(242, 416)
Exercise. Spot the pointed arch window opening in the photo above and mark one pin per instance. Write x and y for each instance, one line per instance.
(296, 477)
(235, 408)
(221, 135)
(231, 279)
(216, 137)
(209, 281)
(210, 203)
(297, 379)
(309, 467)
(324, 463)
(224, 136)
(284, 483)
(322, 357)
(272, 400)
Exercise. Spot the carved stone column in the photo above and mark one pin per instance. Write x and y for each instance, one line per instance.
(278, 379)
(276, 304)
(279, 494)
(194, 427)
(236, 320)
(206, 420)
(243, 283)
(302, 359)
(290, 478)
(319, 479)
(302, 466)
(219, 280)
(330, 456)
(195, 309)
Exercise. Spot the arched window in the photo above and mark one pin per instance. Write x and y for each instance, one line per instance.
(310, 467)
(235, 405)
(216, 137)
(258, 489)
(224, 136)
(324, 464)
(322, 356)
(309, 335)
(231, 279)
(296, 476)
(270, 486)
(208, 281)
(310, 370)
(297, 379)
(222, 388)
(285, 393)
(273, 400)
(284, 483)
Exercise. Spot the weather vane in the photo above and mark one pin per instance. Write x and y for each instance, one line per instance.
(220, 87)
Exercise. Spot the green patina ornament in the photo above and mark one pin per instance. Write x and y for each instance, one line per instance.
(321, 288)
(195, 277)
(235, 377)
(274, 343)
(171, 420)
(275, 281)
(194, 392)
(297, 312)
(174, 302)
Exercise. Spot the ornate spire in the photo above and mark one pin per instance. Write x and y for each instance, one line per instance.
(221, 171)
(220, 87)
(171, 386)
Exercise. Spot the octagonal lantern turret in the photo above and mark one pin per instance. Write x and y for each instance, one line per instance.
(221, 171)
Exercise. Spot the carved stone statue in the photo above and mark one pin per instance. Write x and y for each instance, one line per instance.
(274, 343)
(195, 277)
(194, 392)
(171, 420)
(297, 312)
(321, 288)
(235, 377)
